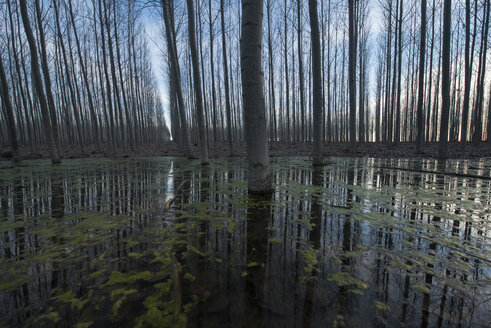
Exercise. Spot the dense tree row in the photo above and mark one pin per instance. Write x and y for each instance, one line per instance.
(387, 75)
(77, 73)
(342, 71)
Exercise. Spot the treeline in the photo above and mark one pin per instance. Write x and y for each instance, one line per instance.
(77, 73)
(387, 43)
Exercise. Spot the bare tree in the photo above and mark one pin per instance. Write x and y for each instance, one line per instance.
(226, 79)
(203, 147)
(447, 29)
(9, 113)
(317, 83)
(38, 85)
(352, 73)
(422, 48)
(259, 177)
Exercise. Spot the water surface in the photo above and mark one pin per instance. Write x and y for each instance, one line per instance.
(166, 242)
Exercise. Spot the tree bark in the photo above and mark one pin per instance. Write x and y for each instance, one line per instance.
(9, 113)
(422, 48)
(352, 74)
(300, 72)
(175, 78)
(38, 85)
(203, 149)
(316, 83)
(259, 177)
(47, 79)
(226, 80)
(442, 150)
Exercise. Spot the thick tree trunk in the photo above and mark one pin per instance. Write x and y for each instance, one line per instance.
(9, 113)
(259, 177)
(317, 83)
(481, 77)
(397, 137)
(175, 78)
(442, 150)
(226, 80)
(300, 72)
(203, 149)
(422, 48)
(38, 84)
(47, 79)
(212, 68)
(352, 74)
(287, 81)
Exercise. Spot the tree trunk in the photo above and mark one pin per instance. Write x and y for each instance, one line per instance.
(259, 177)
(225, 78)
(422, 48)
(68, 78)
(300, 72)
(442, 149)
(399, 63)
(352, 74)
(95, 123)
(47, 79)
(316, 83)
(38, 85)
(480, 77)
(9, 113)
(175, 78)
(203, 149)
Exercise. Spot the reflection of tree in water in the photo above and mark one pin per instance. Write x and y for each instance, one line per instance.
(350, 243)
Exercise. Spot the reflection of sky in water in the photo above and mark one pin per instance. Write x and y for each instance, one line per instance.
(357, 242)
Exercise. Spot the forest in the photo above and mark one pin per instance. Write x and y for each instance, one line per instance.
(382, 64)
(245, 163)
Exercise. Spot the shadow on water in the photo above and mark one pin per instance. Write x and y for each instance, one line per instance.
(166, 242)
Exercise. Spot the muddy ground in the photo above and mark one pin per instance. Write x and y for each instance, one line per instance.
(281, 149)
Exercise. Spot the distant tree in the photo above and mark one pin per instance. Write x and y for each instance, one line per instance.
(422, 48)
(317, 83)
(447, 29)
(300, 72)
(352, 72)
(226, 80)
(259, 177)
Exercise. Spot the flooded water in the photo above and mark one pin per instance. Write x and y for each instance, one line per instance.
(164, 242)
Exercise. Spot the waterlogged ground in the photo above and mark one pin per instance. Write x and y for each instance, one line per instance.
(159, 242)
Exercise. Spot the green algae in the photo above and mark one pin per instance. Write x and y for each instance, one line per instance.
(342, 279)
(69, 297)
(117, 277)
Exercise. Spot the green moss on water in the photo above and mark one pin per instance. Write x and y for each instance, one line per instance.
(342, 279)
(379, 306)
(195, 250)
(9, 225)
(83, 324)
(121, 295)
(69, 297)
(135, 255)
(310, 257)
(420, 287)
(189, 277)
(117, 277)
(159, 309)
